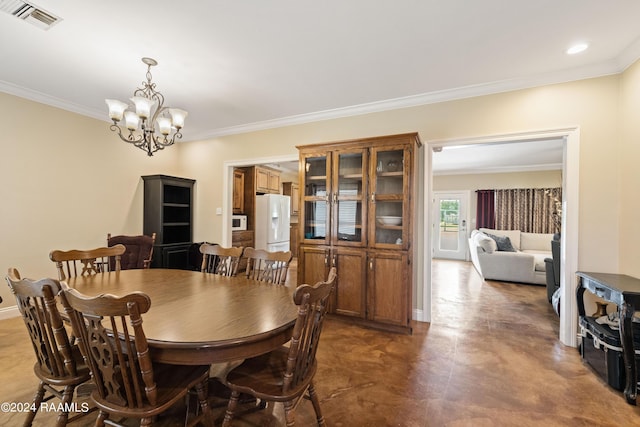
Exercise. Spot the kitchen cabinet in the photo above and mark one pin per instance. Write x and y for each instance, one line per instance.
(274, 182)
(245, 239)
(293, 190)
(357, 207)
(238, 191)
(267, 180)
(257, 180)
(168, 212)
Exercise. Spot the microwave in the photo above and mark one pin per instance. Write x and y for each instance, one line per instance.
(238, 222)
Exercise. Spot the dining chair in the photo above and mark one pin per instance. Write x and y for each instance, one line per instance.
(86, 262)
(138, 250)
(267, 266)
(59, 364)
(219, 260)
(286, 374)
(128, 382)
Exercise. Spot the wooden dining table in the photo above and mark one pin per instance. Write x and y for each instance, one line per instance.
(200, 318)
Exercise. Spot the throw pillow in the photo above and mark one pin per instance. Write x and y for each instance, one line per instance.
(486, 243)
(503, 243)
(513, 235)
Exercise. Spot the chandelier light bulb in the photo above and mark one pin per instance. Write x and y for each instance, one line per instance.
(164, 124)
(132, 121)
(116, 109)
(143, 106)
(177, 117)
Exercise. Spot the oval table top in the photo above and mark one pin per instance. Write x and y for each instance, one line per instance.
(202, 318)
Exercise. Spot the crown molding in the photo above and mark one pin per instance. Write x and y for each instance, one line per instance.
(51, 101)
(599, 70)
(629, 56)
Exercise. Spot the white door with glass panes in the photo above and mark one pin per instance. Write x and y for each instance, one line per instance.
(450, 227)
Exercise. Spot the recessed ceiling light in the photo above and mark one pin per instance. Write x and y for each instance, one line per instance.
(577, 48)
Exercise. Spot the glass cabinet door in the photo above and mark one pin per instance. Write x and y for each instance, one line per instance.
(316, 198)
(388, 197)
(348, 190)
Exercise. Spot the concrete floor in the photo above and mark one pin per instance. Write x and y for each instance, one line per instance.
(490, 357)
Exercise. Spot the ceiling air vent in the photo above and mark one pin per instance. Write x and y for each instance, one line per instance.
(30, 13)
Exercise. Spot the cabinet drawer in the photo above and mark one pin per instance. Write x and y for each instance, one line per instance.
(242, 238)
(242, 235)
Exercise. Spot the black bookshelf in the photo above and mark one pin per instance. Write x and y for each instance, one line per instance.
(168, 211)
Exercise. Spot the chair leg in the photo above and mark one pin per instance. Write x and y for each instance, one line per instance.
(316, 404)
(37, 400)
(201, 390)
(101, 417)
(231, 407)
(67, 397)
(289, 413)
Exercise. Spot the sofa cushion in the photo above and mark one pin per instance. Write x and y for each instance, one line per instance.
(536, 241)
(503, 243)
(513, 235)
(485, 242)
(539, 262)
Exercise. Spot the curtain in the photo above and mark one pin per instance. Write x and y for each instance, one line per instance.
(485, 211)
(532, 210)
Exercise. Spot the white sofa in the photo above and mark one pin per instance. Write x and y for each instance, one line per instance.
(524, 265)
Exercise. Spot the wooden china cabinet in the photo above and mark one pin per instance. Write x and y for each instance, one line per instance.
(357, 203)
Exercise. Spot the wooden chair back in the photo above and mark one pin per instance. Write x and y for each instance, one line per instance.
(59, 365)
(312, 302)
(267, 266)
(37, 304)
(219, 260)
(86, 262)
(121, 368)
(138, 250)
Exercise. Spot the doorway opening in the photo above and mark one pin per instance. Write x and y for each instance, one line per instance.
(227, 186)
(569, 232)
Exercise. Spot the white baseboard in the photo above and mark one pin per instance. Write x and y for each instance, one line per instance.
(9, 312)
(419, 315)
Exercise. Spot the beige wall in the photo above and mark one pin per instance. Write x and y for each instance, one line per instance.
(486, 181)
(67, 181)
(626, 201)
(63, 188)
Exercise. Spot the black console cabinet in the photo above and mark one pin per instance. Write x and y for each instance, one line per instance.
(168, 212)
(625, 292)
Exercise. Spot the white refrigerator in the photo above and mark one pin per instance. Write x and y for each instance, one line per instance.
(273, 217)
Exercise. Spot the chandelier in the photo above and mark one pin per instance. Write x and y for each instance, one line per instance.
(150, 116)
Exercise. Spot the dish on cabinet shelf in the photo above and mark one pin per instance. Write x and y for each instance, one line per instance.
(394, 166)
(389, 220)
